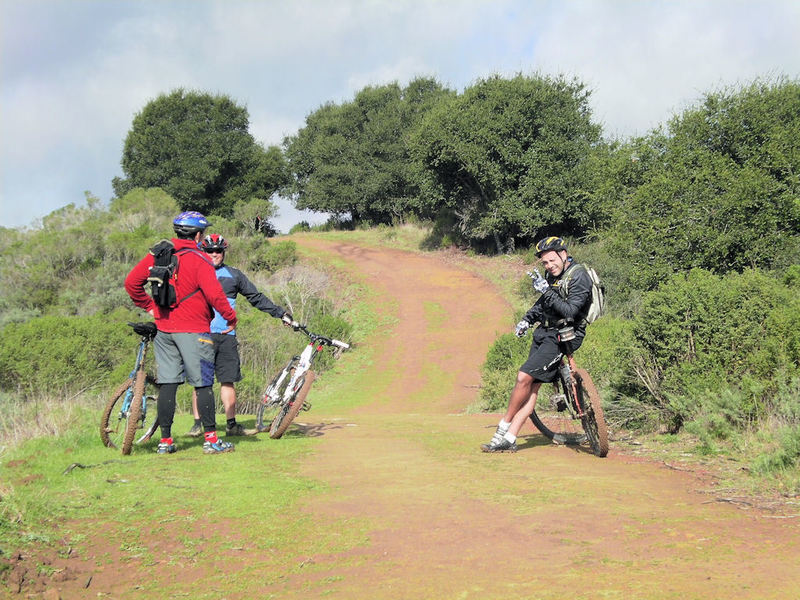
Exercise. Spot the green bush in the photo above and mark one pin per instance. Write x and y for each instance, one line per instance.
(300, 227)
(784, 453)
(700, 333)
(60, 355)
(606, 350)
(499, 372)
(273, 257)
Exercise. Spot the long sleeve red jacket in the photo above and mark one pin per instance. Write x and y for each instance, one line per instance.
(196, 283)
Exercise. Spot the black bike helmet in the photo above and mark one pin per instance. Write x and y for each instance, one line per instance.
(553, 243)
(190, 222)
(214, 242)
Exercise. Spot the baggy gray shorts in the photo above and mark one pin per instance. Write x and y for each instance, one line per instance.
(185, 357)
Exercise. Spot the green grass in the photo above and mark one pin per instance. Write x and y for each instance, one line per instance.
(401, 237)
(140, 502)
(136, 503)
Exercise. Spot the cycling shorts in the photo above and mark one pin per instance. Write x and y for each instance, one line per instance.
(227, 365)
(545, 354)
(185, 357)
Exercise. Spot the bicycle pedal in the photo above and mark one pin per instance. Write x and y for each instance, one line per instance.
(306, 406)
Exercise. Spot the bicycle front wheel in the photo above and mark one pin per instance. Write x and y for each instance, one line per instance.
(114, 421)
(266, 411)
(594, 422)
(292, 406)
(148, 420)
(554, 419)
(135, 413)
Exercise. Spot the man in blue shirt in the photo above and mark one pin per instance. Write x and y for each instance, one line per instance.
(226, 347)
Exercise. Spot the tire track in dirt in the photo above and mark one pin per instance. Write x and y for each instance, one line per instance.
(442, 520)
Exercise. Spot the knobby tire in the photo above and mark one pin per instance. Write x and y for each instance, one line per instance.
(109, 428)
(290, 409)
(265, 413)
(150, 418)
(135, 414)
(594, 422)
(557, 425)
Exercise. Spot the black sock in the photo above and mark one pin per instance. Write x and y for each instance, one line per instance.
(205, 405)
(231, 422)
(166, 407)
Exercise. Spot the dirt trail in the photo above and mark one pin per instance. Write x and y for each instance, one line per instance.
(446, 521)
(422, 513)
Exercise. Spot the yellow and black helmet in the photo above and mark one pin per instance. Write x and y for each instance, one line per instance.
(550, 243)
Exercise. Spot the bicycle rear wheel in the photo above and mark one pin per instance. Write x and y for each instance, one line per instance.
(290, 408)
(552, 417)
(594, 423)
(114, 422)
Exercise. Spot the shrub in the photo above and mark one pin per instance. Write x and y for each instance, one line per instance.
(273, 257)
(784, 454)
(51, 355)
(700, 333)
(499, 372)
(300, 227)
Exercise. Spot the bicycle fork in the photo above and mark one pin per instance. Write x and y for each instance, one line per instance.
(567, 376)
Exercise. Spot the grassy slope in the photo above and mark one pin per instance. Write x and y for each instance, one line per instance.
(146, 515)
(45, 504)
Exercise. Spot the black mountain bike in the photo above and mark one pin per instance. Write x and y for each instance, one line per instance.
(132, 405)
(286, 394)
(573, 414)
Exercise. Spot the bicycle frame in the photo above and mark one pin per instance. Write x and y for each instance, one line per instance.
(287, 393)
(299, 366)
(126, 401)
(567, 369)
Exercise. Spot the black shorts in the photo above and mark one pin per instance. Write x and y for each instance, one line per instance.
(545, 354)
(226, 358)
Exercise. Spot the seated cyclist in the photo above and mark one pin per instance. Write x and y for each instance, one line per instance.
(557, 307)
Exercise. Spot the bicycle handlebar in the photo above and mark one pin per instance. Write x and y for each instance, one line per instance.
(321, 339)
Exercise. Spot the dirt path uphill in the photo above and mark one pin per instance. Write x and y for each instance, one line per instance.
(439, 519)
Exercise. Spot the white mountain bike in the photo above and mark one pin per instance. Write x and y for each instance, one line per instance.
(286, 394)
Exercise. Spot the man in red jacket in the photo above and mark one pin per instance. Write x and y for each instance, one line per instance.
(183, 346)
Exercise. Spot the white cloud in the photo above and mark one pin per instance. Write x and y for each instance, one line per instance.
(649, 60)
(73, 74)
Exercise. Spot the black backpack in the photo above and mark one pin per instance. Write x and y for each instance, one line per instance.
(163, 274)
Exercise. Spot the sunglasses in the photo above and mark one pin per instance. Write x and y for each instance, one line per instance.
(215, 251)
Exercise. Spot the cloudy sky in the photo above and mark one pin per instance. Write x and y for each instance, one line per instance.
(73, 73)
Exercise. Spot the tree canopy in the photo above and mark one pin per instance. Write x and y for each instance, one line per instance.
(718, 189)
(353, 157)
(196, 147)
(508, 157)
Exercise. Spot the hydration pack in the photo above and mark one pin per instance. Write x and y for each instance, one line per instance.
(164, 273)
(598, 305)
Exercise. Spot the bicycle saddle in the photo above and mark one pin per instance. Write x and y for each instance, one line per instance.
(147, 329)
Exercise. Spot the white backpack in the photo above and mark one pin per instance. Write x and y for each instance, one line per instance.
(598, 306)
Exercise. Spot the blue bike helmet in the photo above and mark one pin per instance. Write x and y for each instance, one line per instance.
(190, 222)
